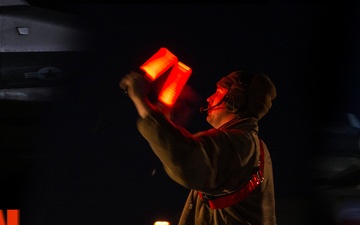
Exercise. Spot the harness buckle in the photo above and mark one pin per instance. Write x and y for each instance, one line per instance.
(260, 176)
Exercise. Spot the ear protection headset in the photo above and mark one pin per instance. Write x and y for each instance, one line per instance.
(242, 85)
(231, 106)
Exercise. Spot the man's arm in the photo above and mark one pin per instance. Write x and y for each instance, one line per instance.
(137, 88)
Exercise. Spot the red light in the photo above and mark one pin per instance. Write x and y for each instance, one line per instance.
(174, 84)
(12, 217)
(161, 61)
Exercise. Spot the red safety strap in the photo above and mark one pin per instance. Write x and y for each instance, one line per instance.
(229, 199)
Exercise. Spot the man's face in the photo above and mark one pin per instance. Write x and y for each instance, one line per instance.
(218, 115)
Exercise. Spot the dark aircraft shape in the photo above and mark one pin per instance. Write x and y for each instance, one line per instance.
(337, 170)
(338, 161)
(39, 49)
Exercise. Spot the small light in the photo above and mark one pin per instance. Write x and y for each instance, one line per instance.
(161, 223)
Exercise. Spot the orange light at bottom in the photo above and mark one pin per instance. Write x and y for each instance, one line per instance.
(161, 223)
(176, 81)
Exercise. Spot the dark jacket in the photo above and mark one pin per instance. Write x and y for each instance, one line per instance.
(213, 162)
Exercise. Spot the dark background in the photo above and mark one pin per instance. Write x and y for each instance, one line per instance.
(81, 160)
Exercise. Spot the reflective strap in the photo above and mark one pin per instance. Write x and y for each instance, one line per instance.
(227, 200)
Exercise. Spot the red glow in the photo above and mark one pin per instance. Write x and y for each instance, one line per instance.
(157, 65)
(12, 217)
(161, 61)
(174, 84)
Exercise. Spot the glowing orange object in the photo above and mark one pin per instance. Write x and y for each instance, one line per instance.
(12, 217)
(161, 223)
(161, 61)
(157, 65)
(174, 84)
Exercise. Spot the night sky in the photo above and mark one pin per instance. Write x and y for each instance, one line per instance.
(82, 160)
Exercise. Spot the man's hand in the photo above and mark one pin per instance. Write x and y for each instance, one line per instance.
(137, 87)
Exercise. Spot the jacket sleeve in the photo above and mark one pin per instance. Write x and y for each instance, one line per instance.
(202, 161)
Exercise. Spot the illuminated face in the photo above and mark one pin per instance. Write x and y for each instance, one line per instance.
(218, 115)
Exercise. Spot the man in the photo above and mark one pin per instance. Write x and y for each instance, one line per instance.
(228, 169)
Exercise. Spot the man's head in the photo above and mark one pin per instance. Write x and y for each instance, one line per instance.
(241, 94)
(250, 94)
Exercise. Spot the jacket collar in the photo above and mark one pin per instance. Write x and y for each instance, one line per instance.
(249, 123)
